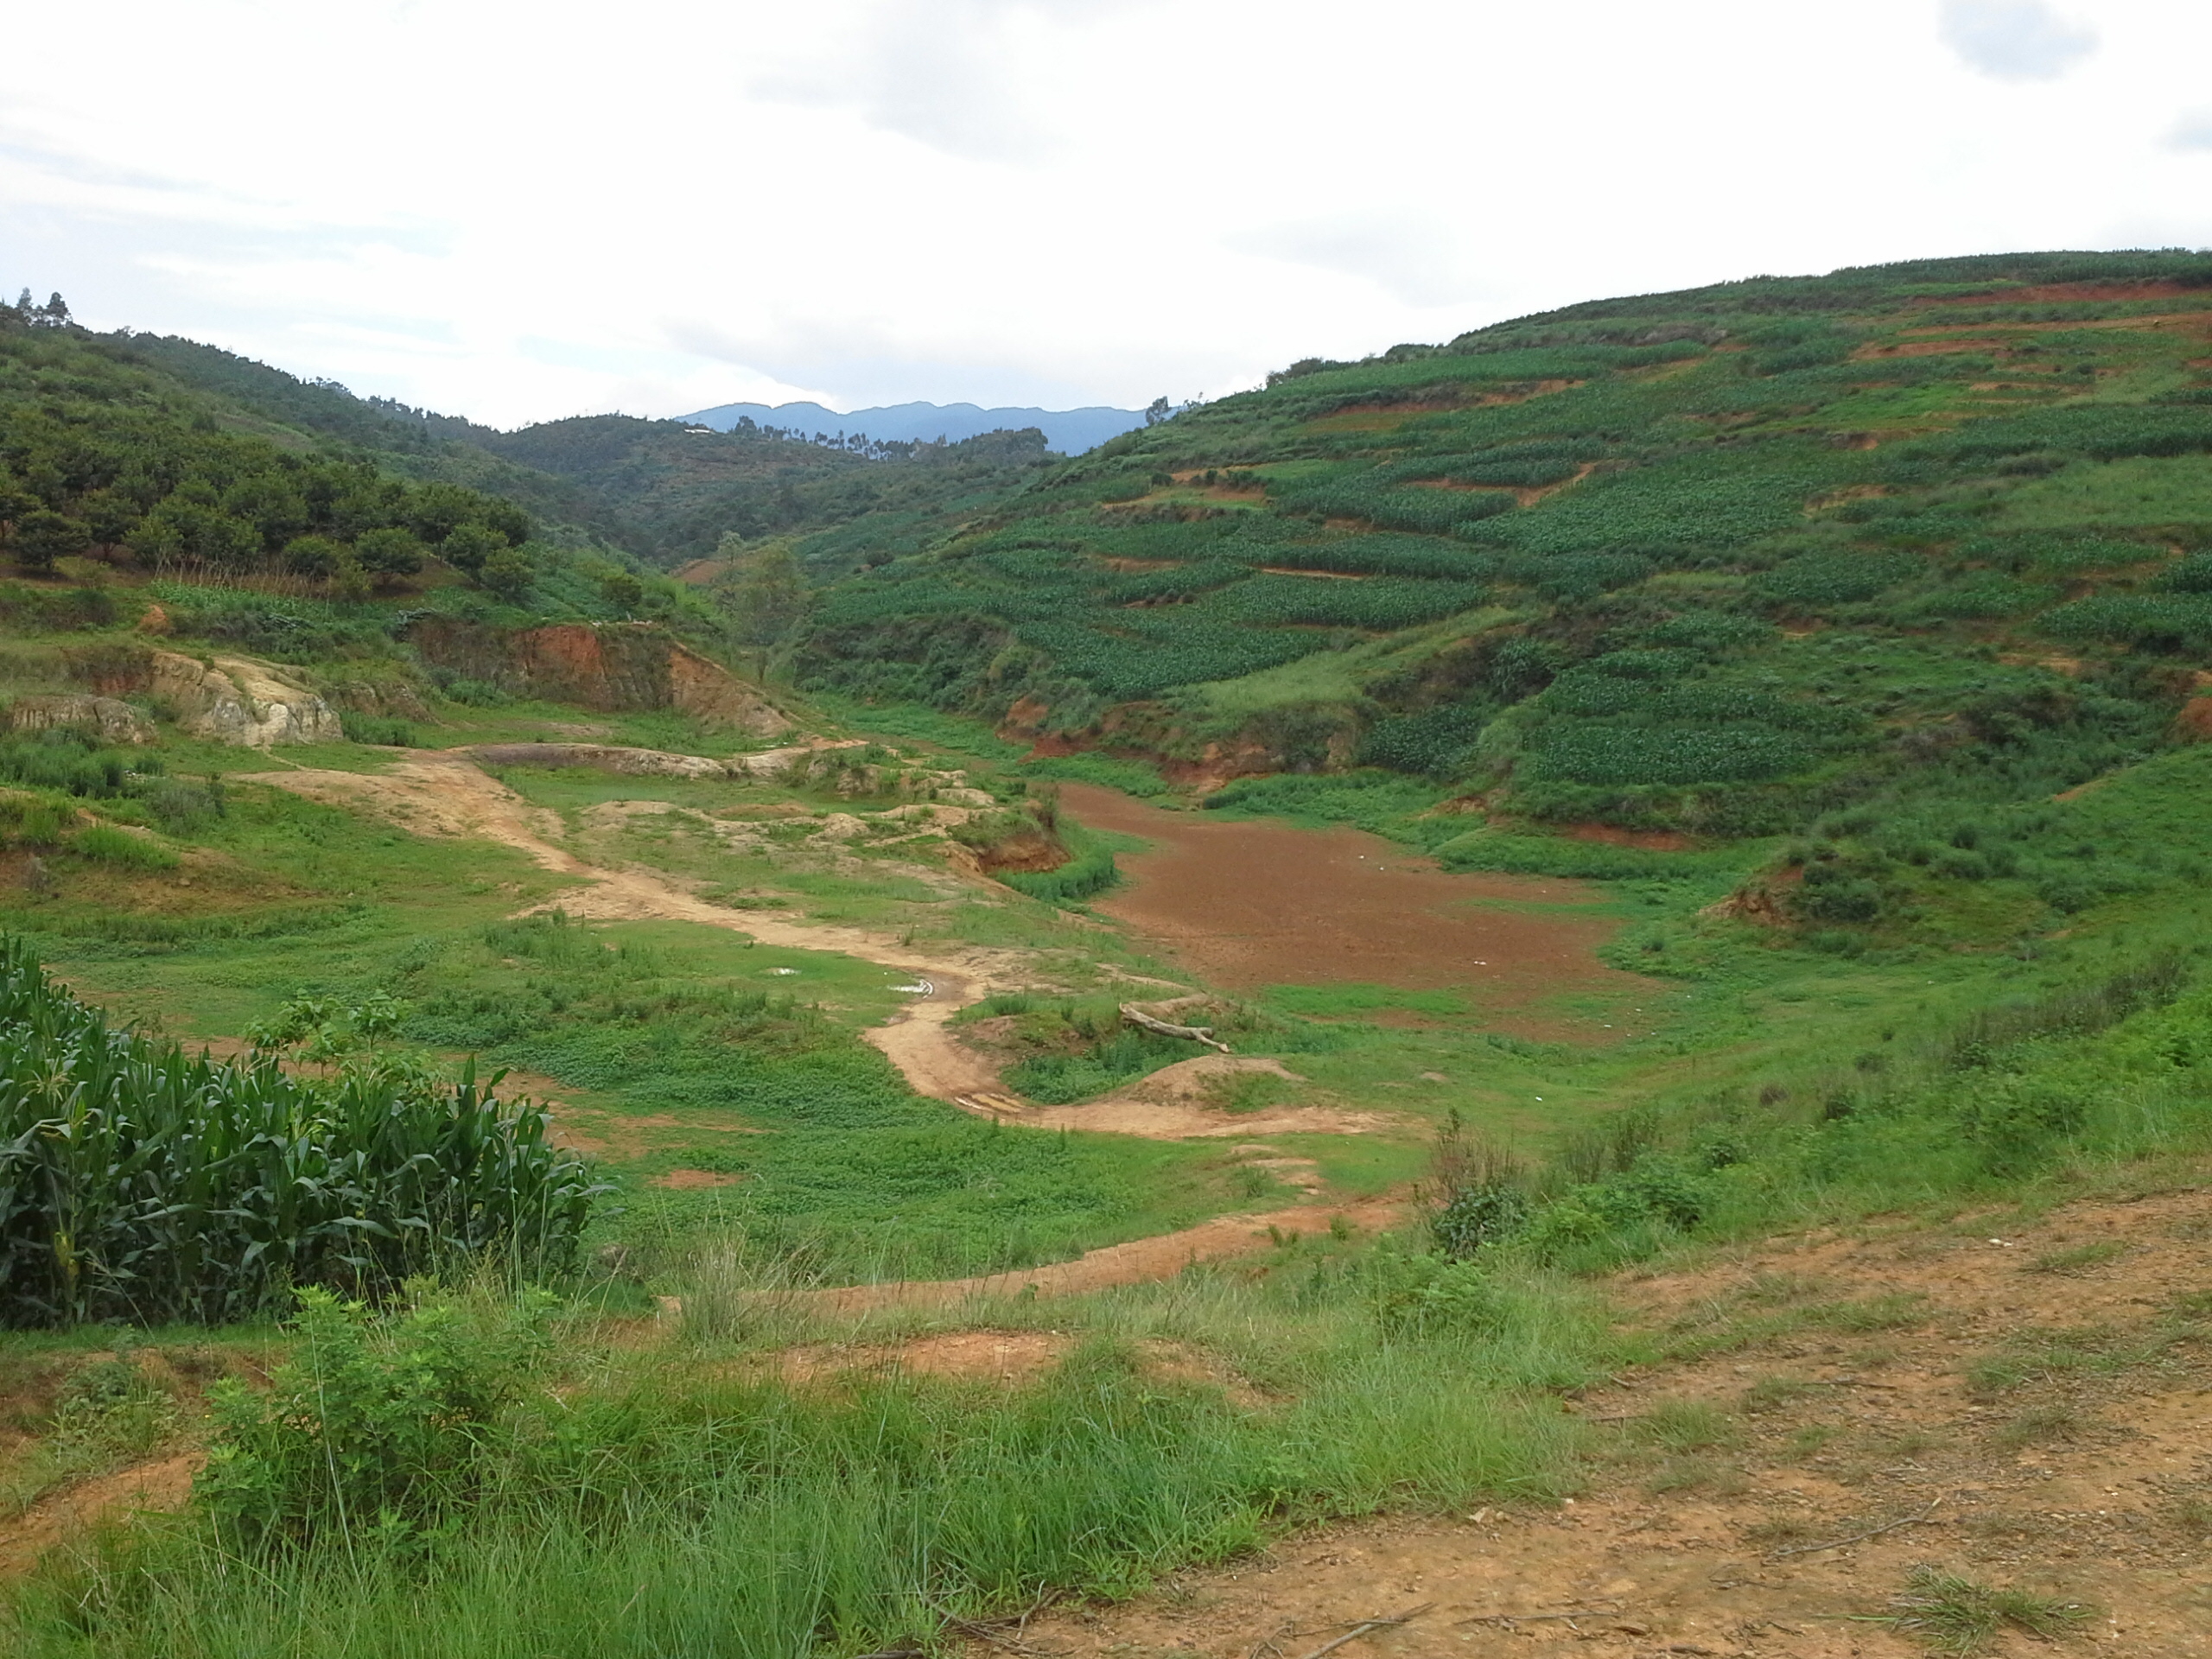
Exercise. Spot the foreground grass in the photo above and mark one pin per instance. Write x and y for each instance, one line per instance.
(687, 1501)
(610, 1492)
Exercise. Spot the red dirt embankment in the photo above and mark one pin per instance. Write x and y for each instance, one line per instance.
(1251, 904)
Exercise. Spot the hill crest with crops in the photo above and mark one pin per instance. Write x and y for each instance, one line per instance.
(1700, 566)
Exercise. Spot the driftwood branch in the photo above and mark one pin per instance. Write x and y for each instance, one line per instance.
(1137, 1016)
(1856, 1537)
(1368, 1627)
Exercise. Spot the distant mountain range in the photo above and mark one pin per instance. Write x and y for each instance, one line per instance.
(1071, 431)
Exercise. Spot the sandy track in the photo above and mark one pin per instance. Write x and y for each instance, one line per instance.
(1138, 1262)
(1172, 1104)
(449, 795)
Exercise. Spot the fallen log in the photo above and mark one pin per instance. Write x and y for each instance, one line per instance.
(1138, 1017)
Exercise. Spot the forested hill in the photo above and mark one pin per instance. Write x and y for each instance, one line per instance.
(660, 490)
(1071, 431)
(672, 490)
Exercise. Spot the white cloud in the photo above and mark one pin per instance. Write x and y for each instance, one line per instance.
(519, 209)
(2193, 130)
(2015, 40)
(1413, 254)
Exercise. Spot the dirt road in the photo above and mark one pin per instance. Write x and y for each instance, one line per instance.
(449, 795)
(1138, 1262)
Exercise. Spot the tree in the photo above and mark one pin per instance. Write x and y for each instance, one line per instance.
(622, 591)
(183, 529)
(763, 596)
(15, 502)
(388, 554)
(507, 572)
(435, 510)
(44, 535)
(468, 547)
(316, 557)
(108, 517)
(1157, 411)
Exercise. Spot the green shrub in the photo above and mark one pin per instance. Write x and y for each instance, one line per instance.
(2015, 1123)
(1063, 1079)
(1478, 1213)
(1433, 1295)
(375, 1424)
(378, 729)
(1090, 871)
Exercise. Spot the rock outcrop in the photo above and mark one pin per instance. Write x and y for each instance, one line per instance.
(233, 700)
(108, 718)
(612, 667)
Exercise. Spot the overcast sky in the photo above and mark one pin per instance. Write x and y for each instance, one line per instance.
(522, 211)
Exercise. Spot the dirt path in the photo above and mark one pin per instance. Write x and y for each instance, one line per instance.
(449, 795)
(2032, 1402)
(1250, 903)
(163, 1484)
(1175, 1104)
(1138, 1262)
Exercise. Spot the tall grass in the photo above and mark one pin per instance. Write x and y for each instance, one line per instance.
(692, 1502)
(137, 1184)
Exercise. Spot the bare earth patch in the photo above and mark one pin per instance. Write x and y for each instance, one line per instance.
(164, 1484)
(2021, 1404)
(1251, 904)
(1138, 1262)
(1174, 1104)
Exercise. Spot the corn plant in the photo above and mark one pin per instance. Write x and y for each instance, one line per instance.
(139, 1183)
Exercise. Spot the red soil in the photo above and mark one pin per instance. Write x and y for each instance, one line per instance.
(2053, 292)
(1650, 841)
(1253, 903)
(2195, 722)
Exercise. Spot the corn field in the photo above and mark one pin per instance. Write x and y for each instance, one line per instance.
(138, 1184)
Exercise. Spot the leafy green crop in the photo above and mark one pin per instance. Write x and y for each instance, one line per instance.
(137, 1183)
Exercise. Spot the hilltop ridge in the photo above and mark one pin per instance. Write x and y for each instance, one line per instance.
(1069, 431)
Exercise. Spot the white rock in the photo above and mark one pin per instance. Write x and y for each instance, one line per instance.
(233, 700)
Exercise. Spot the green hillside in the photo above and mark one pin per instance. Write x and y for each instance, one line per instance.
(1928, 540)
(516, 1138)
(660, 490)
(670, 492)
